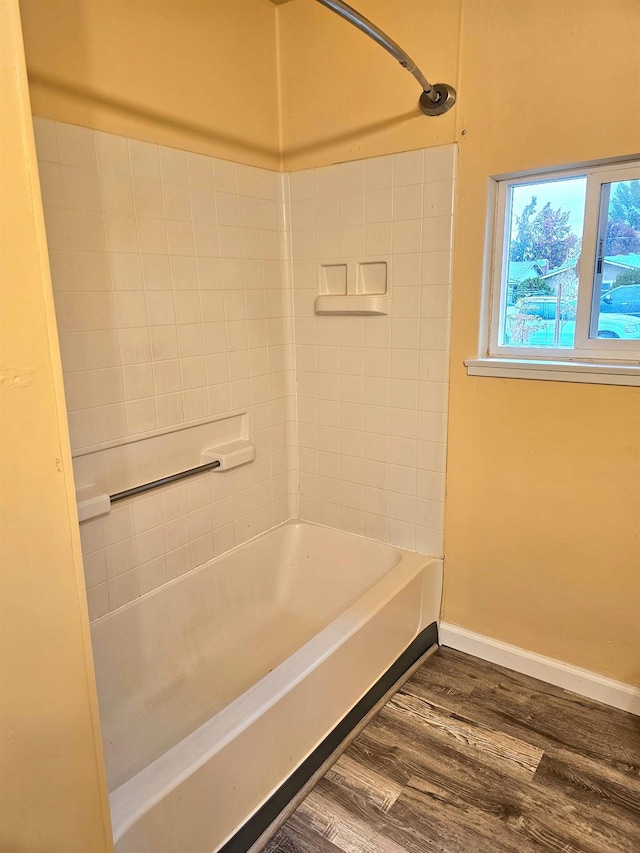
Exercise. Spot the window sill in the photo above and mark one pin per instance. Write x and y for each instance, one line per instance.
(598, 373)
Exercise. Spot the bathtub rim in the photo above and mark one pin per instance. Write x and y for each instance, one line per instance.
(216, 733)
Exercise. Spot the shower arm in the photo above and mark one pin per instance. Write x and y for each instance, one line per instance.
(435, 100)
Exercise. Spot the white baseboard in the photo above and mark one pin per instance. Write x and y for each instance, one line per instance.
(581, 681)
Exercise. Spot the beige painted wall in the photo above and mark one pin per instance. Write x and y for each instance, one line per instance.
(52, 790)
(199, 75)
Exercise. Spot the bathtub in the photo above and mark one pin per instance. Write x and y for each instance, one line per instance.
(215, 688)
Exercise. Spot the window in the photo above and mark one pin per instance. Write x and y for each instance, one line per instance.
(565, 277)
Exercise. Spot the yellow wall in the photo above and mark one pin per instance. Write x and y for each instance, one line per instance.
(52, 790)
(197, 74)
(543, 493)
(543, 487)
(344, 97)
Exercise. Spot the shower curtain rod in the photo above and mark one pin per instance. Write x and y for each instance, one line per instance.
(434, 100)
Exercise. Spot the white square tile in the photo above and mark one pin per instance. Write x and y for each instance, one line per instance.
(203, 205)
(379, 238)
(379, 172)
(167, 376)
(429, 541)
(117, 193)
(141, 416)
(63, 271)
(121, 557)
(86, 230)
(200, 171)
(434, 334)
(407, 236)
(402, 507)
(180, 237)
(58, 228)
(46, 140)
(407, 202)
(173, 166)
(160, 310)
(98, 601)
(430, 513)
(138, 381)
(152, 234)
(301, 185)
(148, 199)
(152, 575)
(187, 306)
(402, 534)
(379, 205)
(121, 232)
(156, 272)
(184, 273)
(178, 562)
(147, 513)
(76, 145)
(351, 177)
(130, 308)
(92, 535)
(247, 180)
(326, 181)
(408, 168)
(177, 201)
(438, 198)
(224, 176)
(437, 233)
(123, 589)
(51, 184)
(134, 345)
(112, 153)
(109, 423)
(436, 268)
(145, 159)
(81, 188)
(352, 208)
(405, 333)
(440, 163)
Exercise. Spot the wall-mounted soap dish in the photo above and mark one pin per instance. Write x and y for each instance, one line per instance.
(353, 286)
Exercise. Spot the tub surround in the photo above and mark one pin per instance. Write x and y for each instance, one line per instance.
(372, 392)
(185, 289)
(172, 312)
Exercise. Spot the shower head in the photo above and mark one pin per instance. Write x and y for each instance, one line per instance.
(434, 100)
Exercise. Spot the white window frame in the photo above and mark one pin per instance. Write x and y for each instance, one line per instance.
(591, 359)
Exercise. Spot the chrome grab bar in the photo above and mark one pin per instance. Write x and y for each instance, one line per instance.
(164, 481)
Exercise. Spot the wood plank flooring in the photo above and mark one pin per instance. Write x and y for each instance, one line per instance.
(469, 757)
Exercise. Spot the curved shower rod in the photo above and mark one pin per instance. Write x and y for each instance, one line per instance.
(434, 100)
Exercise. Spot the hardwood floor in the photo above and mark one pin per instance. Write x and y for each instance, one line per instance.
(470, 757)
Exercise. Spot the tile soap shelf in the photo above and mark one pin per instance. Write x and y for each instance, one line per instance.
(353, 287)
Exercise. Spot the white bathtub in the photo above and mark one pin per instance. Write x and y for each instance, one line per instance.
(214, 688)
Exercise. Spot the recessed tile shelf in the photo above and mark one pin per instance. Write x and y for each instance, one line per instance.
(353, 287)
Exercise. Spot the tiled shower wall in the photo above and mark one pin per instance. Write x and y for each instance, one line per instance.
(175, 282)
(372, 391)
(167, 275)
